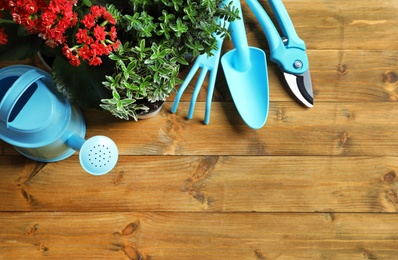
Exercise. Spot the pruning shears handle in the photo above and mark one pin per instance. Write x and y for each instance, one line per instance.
(281, 52)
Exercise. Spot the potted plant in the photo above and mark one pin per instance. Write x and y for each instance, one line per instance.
(121, 56)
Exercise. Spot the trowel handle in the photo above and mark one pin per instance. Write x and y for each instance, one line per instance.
(241, 60)
(75, 142)
(15, 92)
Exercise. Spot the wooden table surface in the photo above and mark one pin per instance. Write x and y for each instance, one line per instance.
(317, 183)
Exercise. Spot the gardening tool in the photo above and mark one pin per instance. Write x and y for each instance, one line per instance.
(247, 76)
(206, 63)
(42, 125)
(287, 51)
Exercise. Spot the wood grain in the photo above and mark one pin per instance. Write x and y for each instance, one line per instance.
(334, 128)
(330, 129)
(198, 236)
(205, 184)
(335, 25)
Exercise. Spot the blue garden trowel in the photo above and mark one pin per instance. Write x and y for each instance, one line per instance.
(246, 74)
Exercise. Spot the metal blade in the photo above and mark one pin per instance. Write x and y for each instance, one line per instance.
(301, 86)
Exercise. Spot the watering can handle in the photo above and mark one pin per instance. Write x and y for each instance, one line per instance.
(16, 91)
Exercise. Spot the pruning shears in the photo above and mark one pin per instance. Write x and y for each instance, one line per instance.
(287, 51)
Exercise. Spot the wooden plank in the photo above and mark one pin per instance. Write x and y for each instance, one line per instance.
(353, 76)
(197, 236)
(208, 183)
(335, 25)
(338, 76)
(365, 76)
(348, 83)
(349, 129)
(328, 129)
(342, 76)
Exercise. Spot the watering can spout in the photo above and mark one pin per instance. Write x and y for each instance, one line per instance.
(98, 155)
(75, 142)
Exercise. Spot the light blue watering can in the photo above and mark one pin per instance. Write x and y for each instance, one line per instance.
(42, 125)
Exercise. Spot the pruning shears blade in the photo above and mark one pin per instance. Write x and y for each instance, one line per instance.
(301, 86)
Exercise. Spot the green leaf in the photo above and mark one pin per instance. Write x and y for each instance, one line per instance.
(119, 105)
(127, 102)
(166, 17)
(179, 27)
(82, 84)
(87, 3)
(165, 30)
(113, 56)
(115, 95)
(19, 47)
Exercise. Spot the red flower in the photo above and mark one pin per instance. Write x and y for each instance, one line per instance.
(31, 8)
(112, 33)
(50, 20)
(47, 19)
(82, 36)
(116, 45)
(95, 61)
(3, 36)
(108, 16)
(98, 49)
(97, 10)
(99, 32)
(68, 53)
(85, 52)
(95, 40)
(57, 18)
(88, 21)
(74, 61)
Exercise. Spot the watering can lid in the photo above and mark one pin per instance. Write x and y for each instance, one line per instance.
(32, 112)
